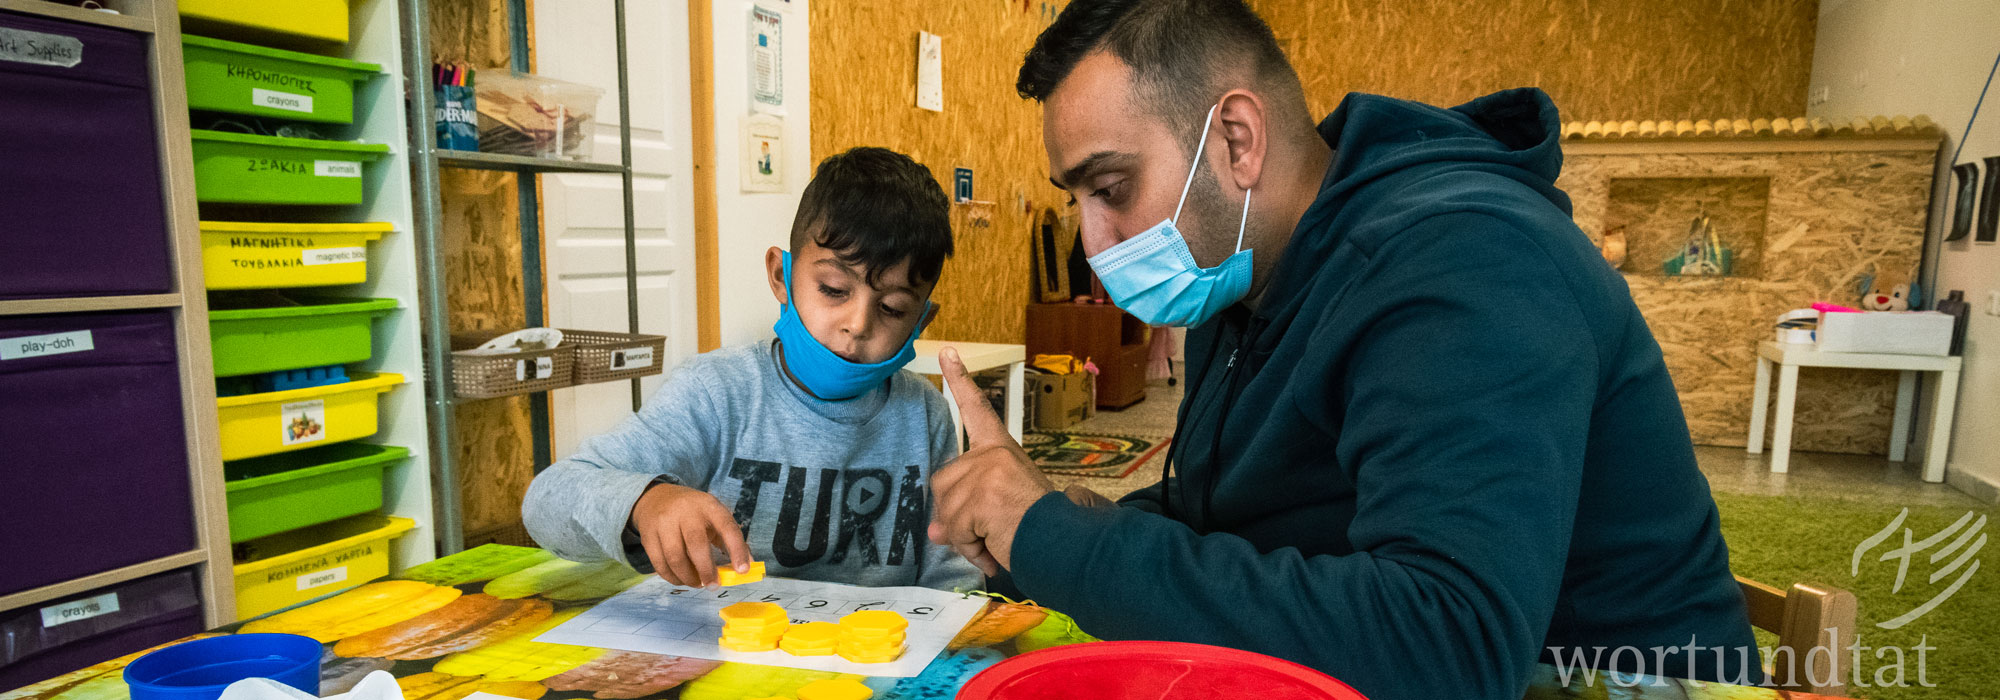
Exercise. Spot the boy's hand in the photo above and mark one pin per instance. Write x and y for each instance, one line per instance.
(982, 495)
(677, 524)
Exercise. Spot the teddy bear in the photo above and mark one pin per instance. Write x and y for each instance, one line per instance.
(1890, 290)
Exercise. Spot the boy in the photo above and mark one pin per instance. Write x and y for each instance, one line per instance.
(811, 452)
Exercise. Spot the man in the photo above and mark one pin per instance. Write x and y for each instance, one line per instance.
(1428, 439)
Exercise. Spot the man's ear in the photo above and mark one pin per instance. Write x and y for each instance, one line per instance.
(1246, 131)
(774, 272)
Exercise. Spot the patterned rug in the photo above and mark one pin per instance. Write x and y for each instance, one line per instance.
(1091, 454)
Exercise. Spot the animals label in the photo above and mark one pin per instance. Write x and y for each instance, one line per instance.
(336, 168)
(335, 256)
(77, 610)
(281, 100)
(38, 345)
(304, 421)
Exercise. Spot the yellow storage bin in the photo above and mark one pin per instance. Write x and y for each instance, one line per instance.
(288, 568)
(249, 255)
(314, 20)
(254, 425)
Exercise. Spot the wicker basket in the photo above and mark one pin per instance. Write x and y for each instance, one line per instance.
(490, 376)
(606, 357)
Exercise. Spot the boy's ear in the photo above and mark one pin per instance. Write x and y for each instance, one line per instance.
(774, 272)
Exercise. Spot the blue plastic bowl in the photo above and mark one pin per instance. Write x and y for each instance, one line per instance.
(200, 669)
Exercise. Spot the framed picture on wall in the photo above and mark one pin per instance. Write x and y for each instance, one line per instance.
(1965, 191)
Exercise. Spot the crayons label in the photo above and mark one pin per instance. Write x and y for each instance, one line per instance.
(79, 610)
(336, 168)
(38, 345)
(281, 100)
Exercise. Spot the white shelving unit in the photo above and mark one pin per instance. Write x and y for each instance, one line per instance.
(394, 262)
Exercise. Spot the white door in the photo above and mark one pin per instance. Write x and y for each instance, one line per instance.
(582, 215)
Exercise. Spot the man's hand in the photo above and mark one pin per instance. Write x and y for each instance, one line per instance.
(1088, 498)
(982, 495)
(677, 524)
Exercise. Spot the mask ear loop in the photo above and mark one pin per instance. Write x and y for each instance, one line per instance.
(1241, 221)
(1200, 143)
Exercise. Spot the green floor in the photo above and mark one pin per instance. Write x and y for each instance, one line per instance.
(1781, 540)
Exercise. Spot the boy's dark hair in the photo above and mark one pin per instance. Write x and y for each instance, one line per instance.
(1176, 48)
(874, 208)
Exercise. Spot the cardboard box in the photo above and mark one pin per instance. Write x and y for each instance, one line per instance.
(1890, 332)
(1059, 400)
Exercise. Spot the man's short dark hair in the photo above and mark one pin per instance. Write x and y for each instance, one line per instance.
(874, 208)
(1176, 49)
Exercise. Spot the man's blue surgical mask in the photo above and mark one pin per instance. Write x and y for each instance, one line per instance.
(825, 374)
(1154, 277)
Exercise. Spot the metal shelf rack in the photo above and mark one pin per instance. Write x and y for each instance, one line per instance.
(426, 160)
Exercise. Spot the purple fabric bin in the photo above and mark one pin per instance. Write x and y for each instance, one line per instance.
(96, 473)
(80, 194)
(43, 641)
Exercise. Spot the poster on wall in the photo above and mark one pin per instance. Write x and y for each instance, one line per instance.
(767, 61)
(763, 155)
(930, 71)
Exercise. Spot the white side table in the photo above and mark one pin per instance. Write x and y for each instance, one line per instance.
(1791, 356)
(978, 357)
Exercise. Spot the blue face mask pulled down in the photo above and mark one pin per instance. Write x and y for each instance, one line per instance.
(1154, 277)
(825, 374)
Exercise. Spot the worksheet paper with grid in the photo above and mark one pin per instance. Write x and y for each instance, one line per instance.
(657, 617)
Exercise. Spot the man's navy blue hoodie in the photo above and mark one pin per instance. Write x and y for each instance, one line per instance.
(1444, 442)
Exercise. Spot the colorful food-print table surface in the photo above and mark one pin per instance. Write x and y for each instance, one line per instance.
(466, 623)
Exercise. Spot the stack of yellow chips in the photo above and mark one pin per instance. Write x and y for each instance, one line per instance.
(811, 639)
(835, 689)
(872, 636)
(753, 626)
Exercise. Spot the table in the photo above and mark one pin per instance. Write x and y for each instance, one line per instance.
(510, 665)
(978, 357)
(1789, 357)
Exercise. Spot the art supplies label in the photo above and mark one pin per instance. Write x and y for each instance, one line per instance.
(634, 358)
(39, 345)
(280, 100)
(335, 256)
(336, 168)
(23, 46)
(322, 578)
(78, 610)
(304, 421)
(539, 368)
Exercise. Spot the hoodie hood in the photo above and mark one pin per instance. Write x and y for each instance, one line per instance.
(1396, 162)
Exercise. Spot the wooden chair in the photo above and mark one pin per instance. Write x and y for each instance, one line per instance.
(1805, 618)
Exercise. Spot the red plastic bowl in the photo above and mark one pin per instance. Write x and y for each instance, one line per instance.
(1151, 671)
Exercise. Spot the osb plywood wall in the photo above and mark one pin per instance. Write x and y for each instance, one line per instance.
(482, 244)
(1599, 59)
(1829, 218)
(864, 58)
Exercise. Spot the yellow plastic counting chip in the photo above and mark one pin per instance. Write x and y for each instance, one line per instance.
(870, 657)
(880, 621)
(733, 645)
(727, 576)
(754, 614)
(811, 639)
(835, 689)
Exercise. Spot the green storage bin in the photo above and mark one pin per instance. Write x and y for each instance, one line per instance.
(317, 332)
(251, 169)
(226, 76)
(269, 495)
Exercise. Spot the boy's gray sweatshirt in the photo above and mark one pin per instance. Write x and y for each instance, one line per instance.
(824, 490)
